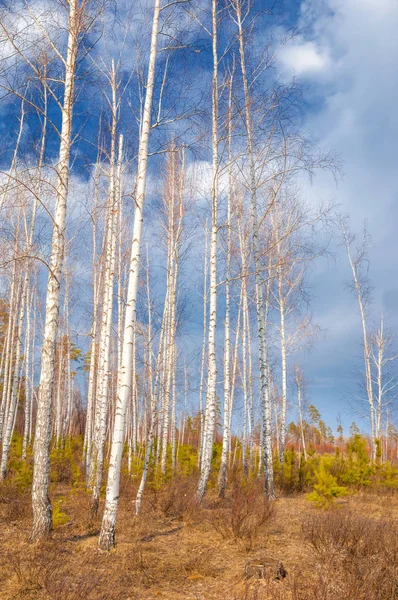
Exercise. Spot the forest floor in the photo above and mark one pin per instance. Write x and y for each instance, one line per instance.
(231, 549)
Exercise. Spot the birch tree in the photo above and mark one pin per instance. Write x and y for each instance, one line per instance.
(299, 379)
(107, 535)
(222, 477)
(357, 258)
(383, 374)
(42, 512)
(265, 398)
(211, 396)
(102, 403)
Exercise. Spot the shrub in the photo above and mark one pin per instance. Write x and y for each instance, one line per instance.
(359, 471)
(65, 464)
(326, 488)
(177, 498)
(16, 499)
(243, 515)
(358, 556)
(250, 510)
(187, 460)
(59, 517)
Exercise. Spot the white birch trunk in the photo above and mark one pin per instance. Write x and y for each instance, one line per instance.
(282, 429)
(151, 433)
(211, 396)
(102, 404)
(13, 404)
(88, 435)
(12, 312)
(265, 398)
(107, 535)
(366, 344)
(42, 513)
(299, 382)
(203, 358)
(222, 476)
(28, 389)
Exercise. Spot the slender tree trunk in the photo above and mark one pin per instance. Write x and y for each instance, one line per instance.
(266, 406)
(282, 429)
(203, 358)
(8, 362)
(29, 379)
(211, 397)
(28, 389)
(222, 476)
(107, 536)
(366, 344)
(97, 279)
(151, 433)
(13, 403)
(299, 382)
(42, 513)
(102, 407)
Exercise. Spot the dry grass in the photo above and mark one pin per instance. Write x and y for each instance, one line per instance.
(179, 551)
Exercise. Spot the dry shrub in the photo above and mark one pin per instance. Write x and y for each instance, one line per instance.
(178, 498)
(15, 502)
(354, 558)
(202, 561)
(337, 532)
(244, 515)
(357, 556)
(47, 572)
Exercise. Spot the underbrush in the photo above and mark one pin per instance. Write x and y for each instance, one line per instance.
(15, 502)
(243, 515)
(345, 553)
(354, 557)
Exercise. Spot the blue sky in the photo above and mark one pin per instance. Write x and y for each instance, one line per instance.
(344, 57)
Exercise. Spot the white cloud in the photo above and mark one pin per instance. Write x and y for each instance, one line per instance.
(302, 58)
(352, 109)
(30, 26)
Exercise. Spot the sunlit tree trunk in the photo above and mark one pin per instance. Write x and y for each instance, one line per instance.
(361, 291)
(68, 377)
(203, 357)
(211, 396)
(266, 406)
(28, 387)
(13, 400)
(282, 428)
(107, 535)
(102, 399)
(87, 446)
(42, 513)
(151, 433)
(30, 345)
(9, 346)
(60, 391)
(299, 383)
(222, 476)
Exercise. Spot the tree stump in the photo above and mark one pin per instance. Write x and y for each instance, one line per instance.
(265, 569)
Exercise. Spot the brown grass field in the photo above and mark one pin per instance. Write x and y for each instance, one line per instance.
(240, 548)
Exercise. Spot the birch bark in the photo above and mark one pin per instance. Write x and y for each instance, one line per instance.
(222, 476)
(265, 398)
(42, 512)
(211, 396)
(107, 535)
(359, 289)
(102, 400)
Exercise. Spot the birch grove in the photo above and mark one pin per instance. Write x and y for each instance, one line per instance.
(42, 513)
(157, 258)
